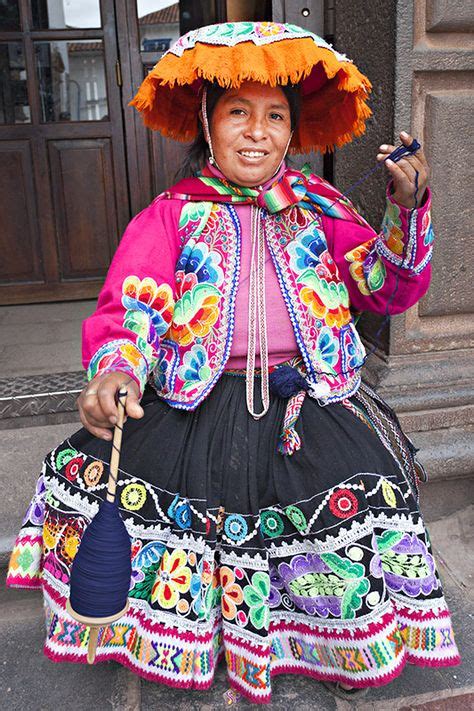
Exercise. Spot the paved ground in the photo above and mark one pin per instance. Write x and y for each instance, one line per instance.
(30, 682)
(50, 332)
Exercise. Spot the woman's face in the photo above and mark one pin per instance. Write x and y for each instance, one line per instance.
(250, 129)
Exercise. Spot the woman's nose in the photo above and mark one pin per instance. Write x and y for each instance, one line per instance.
(255, 128)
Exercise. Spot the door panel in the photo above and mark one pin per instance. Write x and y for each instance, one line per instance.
(86, 220)
(21, 260)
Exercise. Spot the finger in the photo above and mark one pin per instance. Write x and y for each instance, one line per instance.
(100, 432)
(384, 151)
(400, 178)
(405, 138)
(409, 170)
(96, 419)
(106, 401)
(92, 410)
(418, 155)
(133, 407)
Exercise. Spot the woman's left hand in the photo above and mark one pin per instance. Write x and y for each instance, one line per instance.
(403, 173)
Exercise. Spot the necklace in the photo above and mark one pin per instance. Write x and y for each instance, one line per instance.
(257, 319)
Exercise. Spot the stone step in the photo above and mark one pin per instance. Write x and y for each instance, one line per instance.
(37, 396)
(21, 454)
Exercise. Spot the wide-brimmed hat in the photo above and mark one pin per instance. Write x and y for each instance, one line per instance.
(333, 91)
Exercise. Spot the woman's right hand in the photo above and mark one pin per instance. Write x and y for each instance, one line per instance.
(97, 402)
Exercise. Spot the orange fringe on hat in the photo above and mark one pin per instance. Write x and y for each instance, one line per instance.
(330, 116)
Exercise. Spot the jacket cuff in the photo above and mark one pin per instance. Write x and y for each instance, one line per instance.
(406, 235)
(122, 356)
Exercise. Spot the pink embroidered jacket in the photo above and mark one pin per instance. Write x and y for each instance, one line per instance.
(166, 311)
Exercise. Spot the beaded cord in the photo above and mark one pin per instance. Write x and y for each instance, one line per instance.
(257, 320)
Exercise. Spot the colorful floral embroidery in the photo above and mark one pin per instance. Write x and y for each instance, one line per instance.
(325, 584)
(149, 308)
(182, 515)
(193, 218)
(332, 609)
(366, 267)
(133, 497)
(392, 228)
(232, 33)
(64, 456)
(232, 594)
(172, 579)
(296, 517)
(202, 261)
(269, 29)
(120, 355)
(93, 473)
(35, 512)
(195, 368)
(324, 294)
(271, 523)
(195, 311)
(327, 348)
(73, 468)
(343, 503)
(407, 565)
(389, 493)
(427, 229)
(306, 248)
(256, 596)
(352, 350)
(235, 527)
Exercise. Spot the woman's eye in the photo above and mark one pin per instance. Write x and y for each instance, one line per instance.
(278, 117)
(237, 112)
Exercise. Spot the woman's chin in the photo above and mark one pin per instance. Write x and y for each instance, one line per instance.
(251, 175)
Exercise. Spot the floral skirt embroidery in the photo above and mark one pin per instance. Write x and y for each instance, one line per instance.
(316, 563)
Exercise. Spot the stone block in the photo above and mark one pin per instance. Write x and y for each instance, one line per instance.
(449, 16)
(21, 456)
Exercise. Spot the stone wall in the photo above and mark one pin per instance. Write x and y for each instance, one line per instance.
(420, 59)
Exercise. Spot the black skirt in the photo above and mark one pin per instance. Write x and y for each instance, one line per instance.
(315, 563)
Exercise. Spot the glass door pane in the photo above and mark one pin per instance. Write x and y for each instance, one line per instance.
(14, 107)
(71, 79)
(158, 24)
(9, 15)
(65, 14)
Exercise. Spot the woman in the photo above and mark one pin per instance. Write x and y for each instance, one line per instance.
(270, 496)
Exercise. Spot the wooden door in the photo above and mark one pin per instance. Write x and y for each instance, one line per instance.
(63, 182)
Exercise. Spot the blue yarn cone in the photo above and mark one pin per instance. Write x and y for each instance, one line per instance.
(102, 568)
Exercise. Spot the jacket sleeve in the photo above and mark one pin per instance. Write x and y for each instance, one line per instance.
(135, 305)
(386, 272)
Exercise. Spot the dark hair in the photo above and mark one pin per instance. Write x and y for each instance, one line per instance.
(198, 152)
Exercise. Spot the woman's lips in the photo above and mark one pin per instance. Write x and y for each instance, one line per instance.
(252, 156)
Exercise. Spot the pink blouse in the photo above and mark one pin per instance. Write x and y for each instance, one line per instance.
(280, 335)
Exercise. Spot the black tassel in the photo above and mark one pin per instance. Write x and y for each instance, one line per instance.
(286, 381)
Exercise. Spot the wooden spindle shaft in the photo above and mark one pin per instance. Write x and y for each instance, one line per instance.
(92, 645)
(116, 446)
